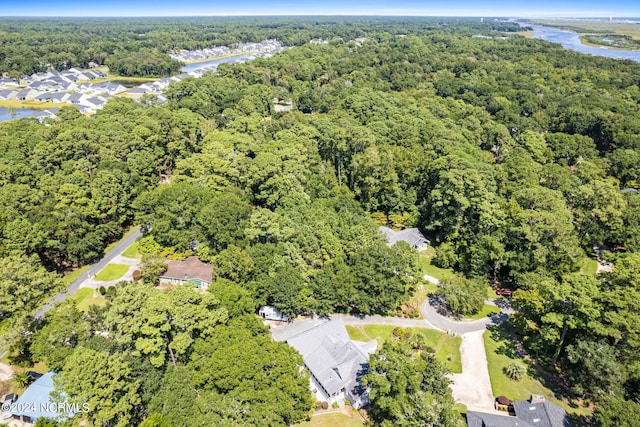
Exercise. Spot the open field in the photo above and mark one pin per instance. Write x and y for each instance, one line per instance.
(447, 347)
(501, 351)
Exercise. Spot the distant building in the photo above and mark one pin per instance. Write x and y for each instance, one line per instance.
(189, 270)
(269, 312)
(412, 236)
(336, 362)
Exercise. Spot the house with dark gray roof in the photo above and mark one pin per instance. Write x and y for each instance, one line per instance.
(412, 236)
(535, 412)
(336, 362)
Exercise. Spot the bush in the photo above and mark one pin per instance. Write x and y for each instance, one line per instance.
(102, 290)
(136, 275)
(325, 405)
(515, 371)
(414, 314)
(334, 405)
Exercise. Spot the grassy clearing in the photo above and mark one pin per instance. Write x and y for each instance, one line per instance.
(487, 310)
(131, 251)
(85, 298)
(447, 347)
(112, 272)
(34, 105)
(334, 419)
(589, 266)
(501, 352)
(427, 268)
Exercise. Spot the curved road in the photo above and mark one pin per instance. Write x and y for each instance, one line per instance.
(70, 290)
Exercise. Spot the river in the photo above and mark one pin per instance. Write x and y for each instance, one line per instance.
(206, 64)
(17, 113)
(571, 40)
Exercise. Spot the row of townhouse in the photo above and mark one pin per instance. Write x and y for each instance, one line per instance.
(264, 46)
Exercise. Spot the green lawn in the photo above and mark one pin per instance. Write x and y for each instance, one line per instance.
(427, 268)
(112, 272)
(84, 299)
(68, 278)
(589, 266)
(131, 251)
(447, 347)
(487, 310)
(500, 353)
(334, 419)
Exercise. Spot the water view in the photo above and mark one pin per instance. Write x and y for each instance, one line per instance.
(192, 67)
(15, 113)
(571, 40)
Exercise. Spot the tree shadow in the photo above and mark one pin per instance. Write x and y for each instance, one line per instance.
(503, 334)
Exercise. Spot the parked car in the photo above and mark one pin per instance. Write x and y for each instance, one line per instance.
(7, 402)
(505, 292)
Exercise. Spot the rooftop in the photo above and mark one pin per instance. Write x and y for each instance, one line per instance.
(190, 269)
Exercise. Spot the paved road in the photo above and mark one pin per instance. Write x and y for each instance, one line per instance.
(91, 271)
(431, 307)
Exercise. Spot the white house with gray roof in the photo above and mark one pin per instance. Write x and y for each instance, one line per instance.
(336, 362)
(412, 236)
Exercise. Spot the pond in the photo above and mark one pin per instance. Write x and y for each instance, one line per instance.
(15, 113)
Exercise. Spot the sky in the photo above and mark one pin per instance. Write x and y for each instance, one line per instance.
(493, 8)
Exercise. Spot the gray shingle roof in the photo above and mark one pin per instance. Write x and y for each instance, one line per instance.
(541, 414)
(482, 419)
(412, 236)
(334, 360)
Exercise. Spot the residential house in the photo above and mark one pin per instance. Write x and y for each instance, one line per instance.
(8, 94)
(74, 98)
(189, 270)
(45, 114)
(36, 402)
(26, 94)
(535, 412)
(59, 97)
(336, 362)
(412, 236)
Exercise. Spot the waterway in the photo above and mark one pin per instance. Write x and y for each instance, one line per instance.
(207, 64)
(16, 113)
(571, 40)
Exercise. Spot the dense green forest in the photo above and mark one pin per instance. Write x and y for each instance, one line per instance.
(31, 45)
(511, 153)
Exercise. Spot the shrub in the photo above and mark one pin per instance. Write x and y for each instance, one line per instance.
(102, 290)
(325, 405)
(515, 371)
(136, 275)
(334, 405)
